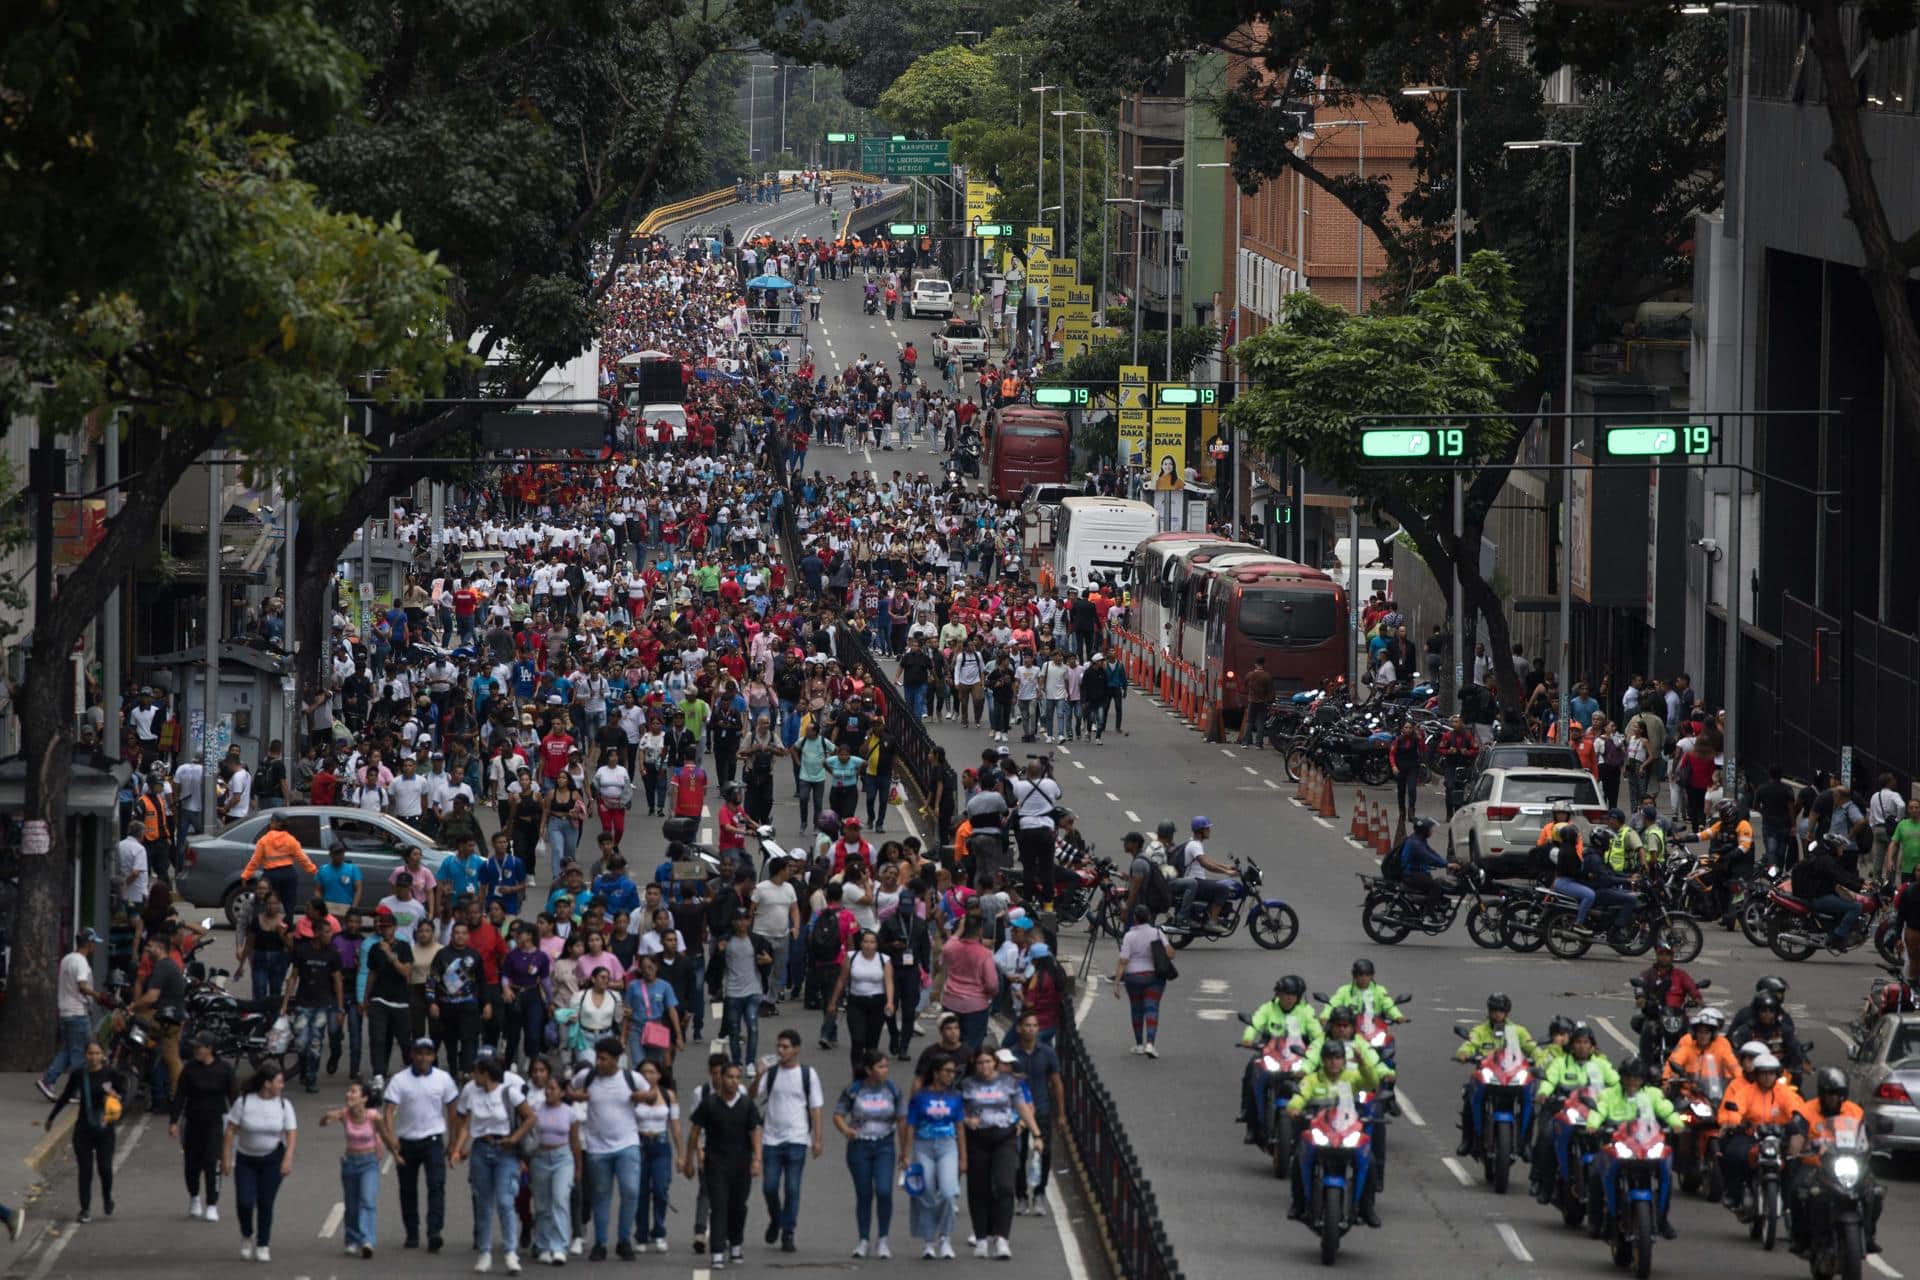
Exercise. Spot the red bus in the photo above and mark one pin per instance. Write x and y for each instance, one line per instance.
(1028, 446)
(1219, 605)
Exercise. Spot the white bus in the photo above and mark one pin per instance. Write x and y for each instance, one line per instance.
(1092, 537)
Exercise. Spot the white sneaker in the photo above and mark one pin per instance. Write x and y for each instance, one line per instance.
(881, 1249)
(860, 1249)
(261, 1255)
(719, 1262)
(246, 1251)
(353, 1251)
(1149, 1050)
(513, 1264)
(736, 1253)
(196, 1208)
(660, 1245)
(485, 1263)
(213, 1213)
(1001, 1249)
(578, 1247)
(981, 1246)
(1137, 1050)
(946, 1247)
(1019, 1206)
(931, 1251)
(1038, 1206)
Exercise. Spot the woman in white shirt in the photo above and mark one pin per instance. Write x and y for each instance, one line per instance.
(490, 1118)
(610, 783)
(261, 1134)
(599, 1008)
(856, 894)
(1144, 987)
(866, 980)
(658, 1116)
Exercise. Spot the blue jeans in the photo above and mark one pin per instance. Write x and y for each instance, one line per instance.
(360, 1189)
(656, 1184)
(1624, 903)
(552, 1199)
(784, 1164)
(622, 1166)
(309, 1037)
(933, 1209)
(1603, 1170)
(1051, 710)
(494, 1173)
(269, 973)
(75, 1033)
(743, 1018)
(563, 838)
(1846, 909)
(1574, 889)
(973, 1028)
(871, 1164)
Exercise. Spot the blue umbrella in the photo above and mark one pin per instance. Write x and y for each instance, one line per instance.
(769, 282)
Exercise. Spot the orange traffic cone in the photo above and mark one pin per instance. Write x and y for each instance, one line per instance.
(1357, 826)
(1382, 845)
(1326, 797)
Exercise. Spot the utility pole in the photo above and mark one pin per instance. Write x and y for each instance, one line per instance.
(209, 752)
(111, 635)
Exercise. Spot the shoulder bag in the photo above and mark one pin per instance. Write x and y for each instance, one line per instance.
(1163, 967)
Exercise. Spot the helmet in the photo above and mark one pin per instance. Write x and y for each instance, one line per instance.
(1166, 829)
(1752, 1049)
(1500, 1001)
(1560, 1024)
(1333, 1048)
(1766, 1002)
(1201, 822)
(1423, 825)
(1709, 1018)
(1830, 1080)
(1363, 965)
(1600, 839)
(1632, 1066)
(1766, 1062)
(828, 821)
(1726, 811)
(1581, 1031)
(1560, 807)
(1773, 984)
(1291, 985)
(1341, 1014)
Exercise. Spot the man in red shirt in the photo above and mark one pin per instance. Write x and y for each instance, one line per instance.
(466, 603)
(688, 791)
(554, 750)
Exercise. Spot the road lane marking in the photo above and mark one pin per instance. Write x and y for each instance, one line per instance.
(1606, 1025)
(1407, 1108)
(1069, 1246)
(1458, 1171)
(1095, 781)
(332, 1224)
(1215, 986)
(1271, 783)
(1880, 1264)
(1114, 798)
(1228, 753)
(1132, 816)
(1844, 1038)
(1213, 1015)
(1084, 1005)
(1078, 765)
(1512, 1239)
(1323, 822)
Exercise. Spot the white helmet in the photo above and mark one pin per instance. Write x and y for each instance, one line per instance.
(1709, 1018)
(1766, 1062)
(1754, 1049)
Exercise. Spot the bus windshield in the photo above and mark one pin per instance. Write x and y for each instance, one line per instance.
(1300, 616)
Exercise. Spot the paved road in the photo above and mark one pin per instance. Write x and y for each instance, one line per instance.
(1221, 1205)
(150, 1236)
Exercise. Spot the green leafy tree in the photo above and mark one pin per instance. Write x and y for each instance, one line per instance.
(940, 89)
(522, 145)
(1458, 348)
(166, 275)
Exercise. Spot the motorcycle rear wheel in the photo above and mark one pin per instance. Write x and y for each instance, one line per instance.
(1886, 940)
(1755, 922)
(1683, 934)
(1786, 947)
(1375, 771)
(1485, 926)
(1296, 761)
(1333, 1212)
(1383, 930)
(1520, 927)
(1273, 925)
(1563, 937)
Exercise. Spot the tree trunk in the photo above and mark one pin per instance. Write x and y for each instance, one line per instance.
(1886, 267)
(34, 964)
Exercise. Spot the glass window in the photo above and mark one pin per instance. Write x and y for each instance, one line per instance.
(1531, 788)
(306, 829)
(1483, 790)
(1299, 617)
(361, 835)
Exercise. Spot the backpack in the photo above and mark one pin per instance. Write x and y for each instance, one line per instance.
(806, 1085)
(823, 937)
(1154, 891)
(1393, 867)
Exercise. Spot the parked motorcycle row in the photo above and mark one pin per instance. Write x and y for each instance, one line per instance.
(1348, 741)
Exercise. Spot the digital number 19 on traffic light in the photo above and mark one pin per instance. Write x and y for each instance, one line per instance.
(1697, 439)
(1451, 442)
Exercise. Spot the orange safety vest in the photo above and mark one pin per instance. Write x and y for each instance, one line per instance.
(1009, 386)
(1747, 1103)
(153, 817)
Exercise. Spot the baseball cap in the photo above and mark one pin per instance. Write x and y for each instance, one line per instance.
(423, 1042)
(383, 913)
(88, 935)
(1039, 951)
(1004, 1057)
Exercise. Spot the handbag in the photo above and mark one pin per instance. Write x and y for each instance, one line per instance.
(653, 1035)
(1163, 967)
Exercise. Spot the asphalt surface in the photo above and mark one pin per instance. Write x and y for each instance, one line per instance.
(150, 1236)
(1222, 1206)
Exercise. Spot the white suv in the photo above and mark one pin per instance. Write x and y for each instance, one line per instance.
(1507, 807)
(930, 298)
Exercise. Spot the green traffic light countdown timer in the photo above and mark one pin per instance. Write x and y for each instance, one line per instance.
(1408, 443)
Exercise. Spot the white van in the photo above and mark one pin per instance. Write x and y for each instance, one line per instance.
(930, 298)
(675, 416)
(1093, 537)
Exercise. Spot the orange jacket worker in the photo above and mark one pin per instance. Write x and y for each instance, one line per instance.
(275, 854)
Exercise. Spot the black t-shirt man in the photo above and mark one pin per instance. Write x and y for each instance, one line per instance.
(914, 666)
(314, 966)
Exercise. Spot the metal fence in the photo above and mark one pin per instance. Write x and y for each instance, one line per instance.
(1117, 1187)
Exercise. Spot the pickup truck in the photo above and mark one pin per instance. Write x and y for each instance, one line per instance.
(963, 340)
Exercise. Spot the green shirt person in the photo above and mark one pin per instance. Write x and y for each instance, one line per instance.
(1319, 1086)
(696, 710)
(1904, 847)
(1364, 996)
(1276, 1019)
(1620, 1103)
(1490, 1035)
(1570, 1071)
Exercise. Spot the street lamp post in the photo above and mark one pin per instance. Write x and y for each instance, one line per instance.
(1736, 442)
(1039, 193)
(1166, 233)
(1457, 485)
(1566, 397)
(1079, 229)
(1106, 184)
(1139, 208)
(1238, 201)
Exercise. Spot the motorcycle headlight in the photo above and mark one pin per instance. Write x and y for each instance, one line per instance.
(1657, 1151)
(1353, 1139)
(1377, 1039)
(1846, 1171)
(1319, 1138)
(1622, 1150)
(1486, 1075)
(1524, 1077)
(1273, 1064)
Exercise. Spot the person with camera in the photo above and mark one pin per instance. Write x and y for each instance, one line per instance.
(1036, 798)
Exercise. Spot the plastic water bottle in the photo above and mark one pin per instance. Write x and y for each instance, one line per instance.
(1034, 1168)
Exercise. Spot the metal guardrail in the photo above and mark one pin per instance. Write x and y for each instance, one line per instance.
(1117, 1189)
(667, 214)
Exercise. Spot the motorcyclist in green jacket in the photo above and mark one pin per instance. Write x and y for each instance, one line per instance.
(1342, 1026)
(1322, 1085)
(1616, 1106)
(1579, 1067)
(1480, 1042)
(1287, 1016)
(1363, 995)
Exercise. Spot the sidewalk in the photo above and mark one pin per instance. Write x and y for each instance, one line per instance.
(29, 1152)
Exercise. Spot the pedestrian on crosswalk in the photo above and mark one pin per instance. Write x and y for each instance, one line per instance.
(366, 1132)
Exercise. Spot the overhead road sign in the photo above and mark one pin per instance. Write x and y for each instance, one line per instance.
(1662, 440)
(908, 157)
